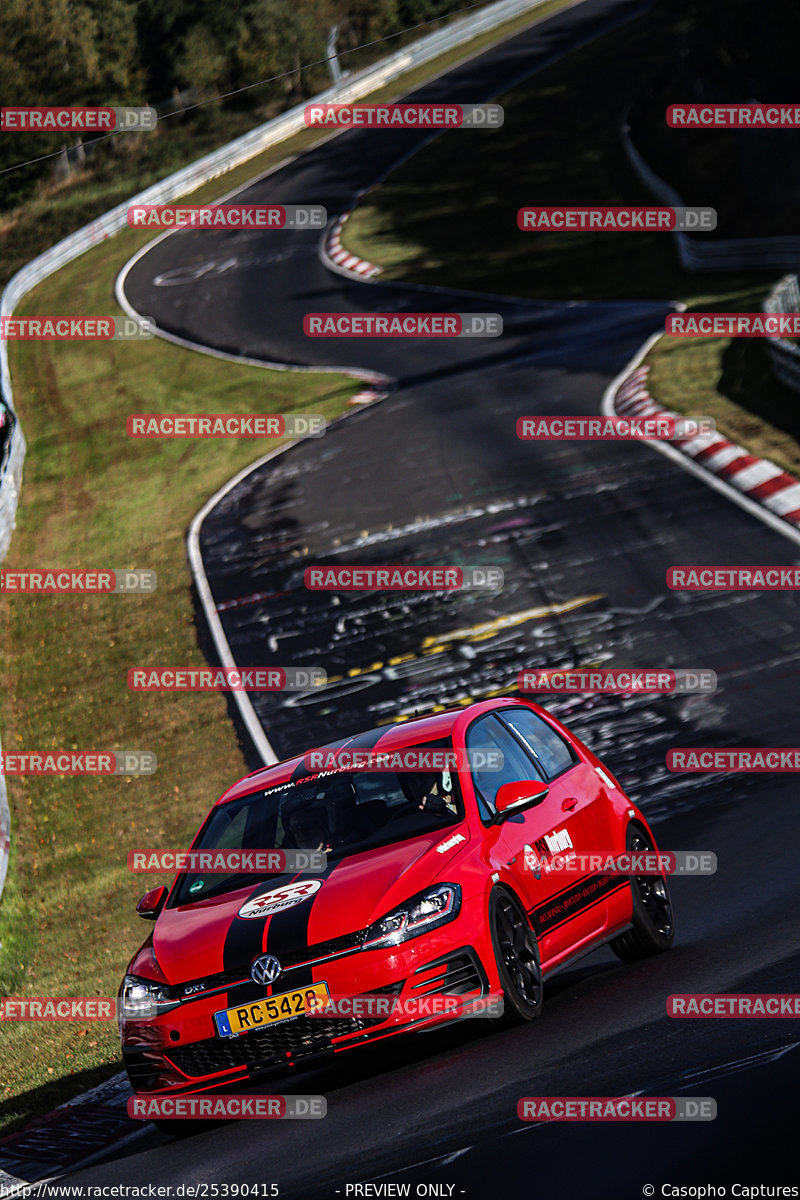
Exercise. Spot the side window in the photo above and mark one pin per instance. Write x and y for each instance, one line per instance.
(554, 754)
(488, 734)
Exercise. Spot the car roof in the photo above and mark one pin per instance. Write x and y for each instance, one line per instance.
(426, 728)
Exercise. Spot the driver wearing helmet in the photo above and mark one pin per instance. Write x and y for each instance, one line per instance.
(437, 797)
(307, 825)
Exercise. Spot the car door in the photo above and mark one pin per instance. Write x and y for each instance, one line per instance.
(510, 844)
(520, 847)
(579, 907)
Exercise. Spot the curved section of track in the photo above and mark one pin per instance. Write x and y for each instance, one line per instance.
(584, 533)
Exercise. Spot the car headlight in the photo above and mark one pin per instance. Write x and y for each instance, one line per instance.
(142, 998)
(435, 906)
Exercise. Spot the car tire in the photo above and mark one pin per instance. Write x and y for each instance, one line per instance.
(653, 929)
(516, 953)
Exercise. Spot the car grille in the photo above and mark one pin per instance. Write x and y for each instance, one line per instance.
(264, 1047)
(348, 941)
(282, 1043)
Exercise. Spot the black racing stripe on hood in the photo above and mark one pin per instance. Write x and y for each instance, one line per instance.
(289, 930)
(244, 940)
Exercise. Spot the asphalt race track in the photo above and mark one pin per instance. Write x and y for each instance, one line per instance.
(584, 533)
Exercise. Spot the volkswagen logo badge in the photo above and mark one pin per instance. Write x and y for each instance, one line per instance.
(265, 969)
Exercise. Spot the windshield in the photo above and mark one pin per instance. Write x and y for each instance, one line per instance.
(340, 812)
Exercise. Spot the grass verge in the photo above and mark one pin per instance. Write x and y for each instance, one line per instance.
(93, 498)
(731, 381)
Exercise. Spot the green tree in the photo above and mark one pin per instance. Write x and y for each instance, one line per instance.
(61, 52)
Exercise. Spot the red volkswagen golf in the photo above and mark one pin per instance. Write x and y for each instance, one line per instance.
(472, 882)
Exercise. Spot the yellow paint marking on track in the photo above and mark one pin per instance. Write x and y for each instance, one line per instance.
(488, 628)
(481, 632)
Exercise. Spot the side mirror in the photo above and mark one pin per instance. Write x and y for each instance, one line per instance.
(152, 903)
(514, 795)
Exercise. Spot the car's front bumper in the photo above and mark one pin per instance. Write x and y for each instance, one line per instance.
(181, 1051)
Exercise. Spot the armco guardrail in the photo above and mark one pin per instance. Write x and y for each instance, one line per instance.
(784, 357)
(11, 480)
(5, 831)
(705, 254)
(203, 171)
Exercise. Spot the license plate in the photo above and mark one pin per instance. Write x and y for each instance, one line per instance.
(283, 1007)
